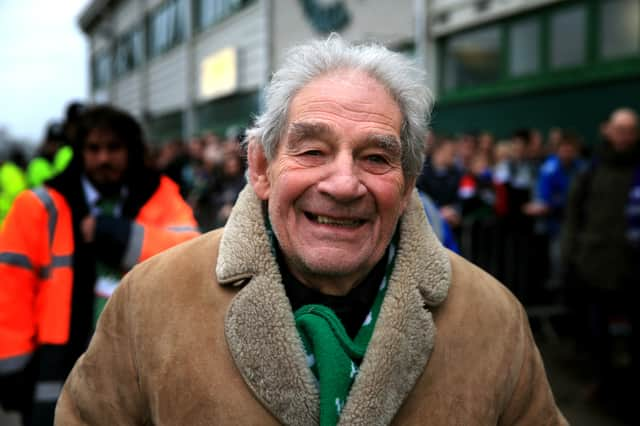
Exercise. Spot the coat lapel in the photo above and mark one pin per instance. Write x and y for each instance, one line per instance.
(405, 331)
(264, 342)
(259, 324)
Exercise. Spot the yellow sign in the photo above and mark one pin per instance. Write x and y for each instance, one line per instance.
(219, 74)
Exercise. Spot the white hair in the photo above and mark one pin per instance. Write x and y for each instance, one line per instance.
(399, 75)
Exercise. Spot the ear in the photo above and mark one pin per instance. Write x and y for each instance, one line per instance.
(258, 167)
(410, 185)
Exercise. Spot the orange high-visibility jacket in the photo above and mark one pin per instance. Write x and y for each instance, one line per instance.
(36, 261)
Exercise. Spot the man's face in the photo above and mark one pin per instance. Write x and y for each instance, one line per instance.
(567, 152)
(622, 131)
(518, 148)
(336, 186)
(105, 158)
(445, 155)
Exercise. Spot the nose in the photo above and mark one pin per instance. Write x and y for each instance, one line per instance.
(103, 155)
(342, 183)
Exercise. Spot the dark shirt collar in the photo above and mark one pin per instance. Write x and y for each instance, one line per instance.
(351, 309)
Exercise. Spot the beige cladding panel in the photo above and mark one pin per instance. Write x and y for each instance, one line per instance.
(98, 41)
(126, 15)
(450, 16)
(151, 4)
(100, 96)
(126, 93)
(390, 22)
(246, 32)
(168, 82)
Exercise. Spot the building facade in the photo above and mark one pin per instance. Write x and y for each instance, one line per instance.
(534, 63)
(187, 66)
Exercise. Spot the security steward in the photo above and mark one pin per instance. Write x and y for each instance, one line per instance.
(64, 247)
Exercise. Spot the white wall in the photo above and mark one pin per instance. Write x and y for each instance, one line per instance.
(167, 81)
(247, 32)
(151, 4)
(127, 14)
(126, 93)
(390, 22)
(461, 14)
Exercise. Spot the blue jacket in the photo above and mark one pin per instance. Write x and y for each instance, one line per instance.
(553, 185)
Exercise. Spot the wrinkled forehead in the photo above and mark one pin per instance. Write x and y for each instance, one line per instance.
(349, 96)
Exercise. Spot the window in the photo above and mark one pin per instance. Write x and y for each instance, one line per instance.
(524, 47)
(129, 52)
(620, 28)
(101, 69)
(167, 26)
(568, 37)
(472, 59)
(212, 11)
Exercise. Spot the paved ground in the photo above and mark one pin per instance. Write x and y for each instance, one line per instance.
(8, 419)
(569, 374)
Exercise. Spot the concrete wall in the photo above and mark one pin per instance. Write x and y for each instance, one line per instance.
(448, 16)
(126, 15)
(390, 22)
(127, 92)
(167, 81)
(247, 32)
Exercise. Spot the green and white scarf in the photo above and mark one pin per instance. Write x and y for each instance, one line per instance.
(333, 357)
(107, 277)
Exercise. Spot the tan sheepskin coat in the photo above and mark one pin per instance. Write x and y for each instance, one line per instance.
(203, 334)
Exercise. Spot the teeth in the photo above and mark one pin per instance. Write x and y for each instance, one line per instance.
(340, 222)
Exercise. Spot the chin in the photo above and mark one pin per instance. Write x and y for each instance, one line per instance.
(339, 265)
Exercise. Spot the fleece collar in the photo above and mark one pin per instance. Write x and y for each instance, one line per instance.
(266, 348)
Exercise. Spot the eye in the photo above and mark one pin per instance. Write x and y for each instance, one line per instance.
(311, 157)
(375, 163)
(376, 159)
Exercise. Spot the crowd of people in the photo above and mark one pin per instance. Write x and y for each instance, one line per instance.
(553, 223)
(505, 201)
(559, 225)
(210, 171)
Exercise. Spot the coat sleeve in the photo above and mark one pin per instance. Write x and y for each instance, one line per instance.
(572, 219)
(531, 402)
(103, 388)
(22, 257)
(19, 261)
(166, 220)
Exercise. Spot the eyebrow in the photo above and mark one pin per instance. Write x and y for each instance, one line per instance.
(307, 130)
(388, 143)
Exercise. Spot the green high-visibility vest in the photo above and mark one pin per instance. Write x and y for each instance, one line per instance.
(12, 182)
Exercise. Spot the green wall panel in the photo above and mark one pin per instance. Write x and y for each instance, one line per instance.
(220, 114)
(581, 109)
(166, 127)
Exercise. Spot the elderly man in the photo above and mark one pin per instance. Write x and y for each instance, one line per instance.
(326, 298)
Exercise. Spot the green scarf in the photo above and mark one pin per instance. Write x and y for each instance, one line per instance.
(334, 358)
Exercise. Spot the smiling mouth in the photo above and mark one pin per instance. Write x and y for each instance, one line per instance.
(332, 221)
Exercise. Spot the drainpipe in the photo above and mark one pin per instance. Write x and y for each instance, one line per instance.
(426, 52)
